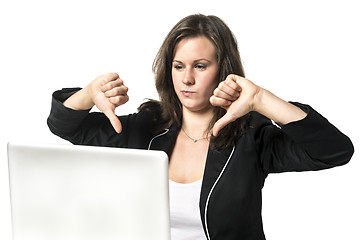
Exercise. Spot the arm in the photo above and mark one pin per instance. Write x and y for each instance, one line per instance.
(277, 109)
(306, 140)
(312, 143)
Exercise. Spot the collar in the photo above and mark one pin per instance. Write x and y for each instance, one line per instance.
(165, 140)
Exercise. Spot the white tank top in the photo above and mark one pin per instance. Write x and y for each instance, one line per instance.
(185, 221)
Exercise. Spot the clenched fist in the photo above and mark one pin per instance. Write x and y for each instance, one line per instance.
(106, 92)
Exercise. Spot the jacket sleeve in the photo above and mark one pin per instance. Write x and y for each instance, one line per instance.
(309, 144)
(82, 127)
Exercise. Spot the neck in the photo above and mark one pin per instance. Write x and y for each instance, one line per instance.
(196, 124)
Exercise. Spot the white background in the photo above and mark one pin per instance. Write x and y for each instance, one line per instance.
(306, 51)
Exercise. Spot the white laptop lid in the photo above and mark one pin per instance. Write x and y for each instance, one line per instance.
(81, 192)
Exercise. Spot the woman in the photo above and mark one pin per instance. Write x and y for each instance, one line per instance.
(215, 126)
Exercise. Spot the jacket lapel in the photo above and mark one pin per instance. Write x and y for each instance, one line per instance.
(165, 141)
(215, 163)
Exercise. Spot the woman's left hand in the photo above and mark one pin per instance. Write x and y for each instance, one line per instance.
(237, 95)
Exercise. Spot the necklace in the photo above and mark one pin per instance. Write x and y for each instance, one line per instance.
(193, 139)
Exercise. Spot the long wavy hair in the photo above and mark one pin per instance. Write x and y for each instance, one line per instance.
(229, 62)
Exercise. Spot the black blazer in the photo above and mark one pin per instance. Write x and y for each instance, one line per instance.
(230, 199)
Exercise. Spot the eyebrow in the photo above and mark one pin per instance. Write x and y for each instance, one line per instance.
(197, 60)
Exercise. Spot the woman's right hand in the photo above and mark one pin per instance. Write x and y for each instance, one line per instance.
(106, 92)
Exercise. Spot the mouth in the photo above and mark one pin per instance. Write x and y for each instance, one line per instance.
(187, 92)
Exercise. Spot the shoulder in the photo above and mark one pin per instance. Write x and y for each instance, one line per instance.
(151, 114)
(151, 107)
(150, 111)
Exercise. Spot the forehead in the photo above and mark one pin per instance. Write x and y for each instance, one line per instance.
(195, 47)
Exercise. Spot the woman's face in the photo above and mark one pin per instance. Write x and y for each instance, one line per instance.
(195, 72)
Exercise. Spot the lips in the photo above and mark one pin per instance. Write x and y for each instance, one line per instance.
(187, 93)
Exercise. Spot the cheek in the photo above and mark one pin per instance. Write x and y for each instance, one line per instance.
(174, 79)
(211, 89)
(176, 86)
(212, 84)
(175, 83)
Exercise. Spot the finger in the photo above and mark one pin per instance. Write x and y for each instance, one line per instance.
(117, 91)
(222, 122)
(230, 81)
(108, 77)
(230, 86)
(220, 102)
(228, 90)
(110, 84)
(114, 120)
(119, 100)
(243, 82)
(226, 93)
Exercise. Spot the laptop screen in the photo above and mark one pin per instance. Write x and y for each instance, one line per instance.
(83, 192)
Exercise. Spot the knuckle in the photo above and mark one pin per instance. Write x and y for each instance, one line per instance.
(120, 81)
(229, 82)
(112, 75)
(103, 81)
(114, 100)
(119, 100)
(110, 85)
(222, 84)
(108, 77)
(230, 77)
(104, 88)
(113, 92)
(120, 91)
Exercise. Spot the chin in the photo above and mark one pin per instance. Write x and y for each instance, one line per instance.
(198, 107)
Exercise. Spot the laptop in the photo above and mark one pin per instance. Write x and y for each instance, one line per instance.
(72, 192)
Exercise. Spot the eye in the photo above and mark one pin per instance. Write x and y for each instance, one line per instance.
(201, 67)
(178, 67)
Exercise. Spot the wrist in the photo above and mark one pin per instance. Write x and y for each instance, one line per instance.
(88, 96)
(80, 100)
(258, 103)
(277, 109)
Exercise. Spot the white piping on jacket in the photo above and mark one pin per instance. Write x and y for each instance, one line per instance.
(211, 190)
(166, 131)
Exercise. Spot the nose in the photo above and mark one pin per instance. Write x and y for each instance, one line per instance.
(188, 78)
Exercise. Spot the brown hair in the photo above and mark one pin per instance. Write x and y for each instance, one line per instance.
(229, 61)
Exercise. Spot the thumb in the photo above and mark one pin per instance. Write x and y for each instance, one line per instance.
(222, 122)
(114, 120)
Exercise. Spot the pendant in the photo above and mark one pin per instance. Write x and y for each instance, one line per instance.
(194, 140)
